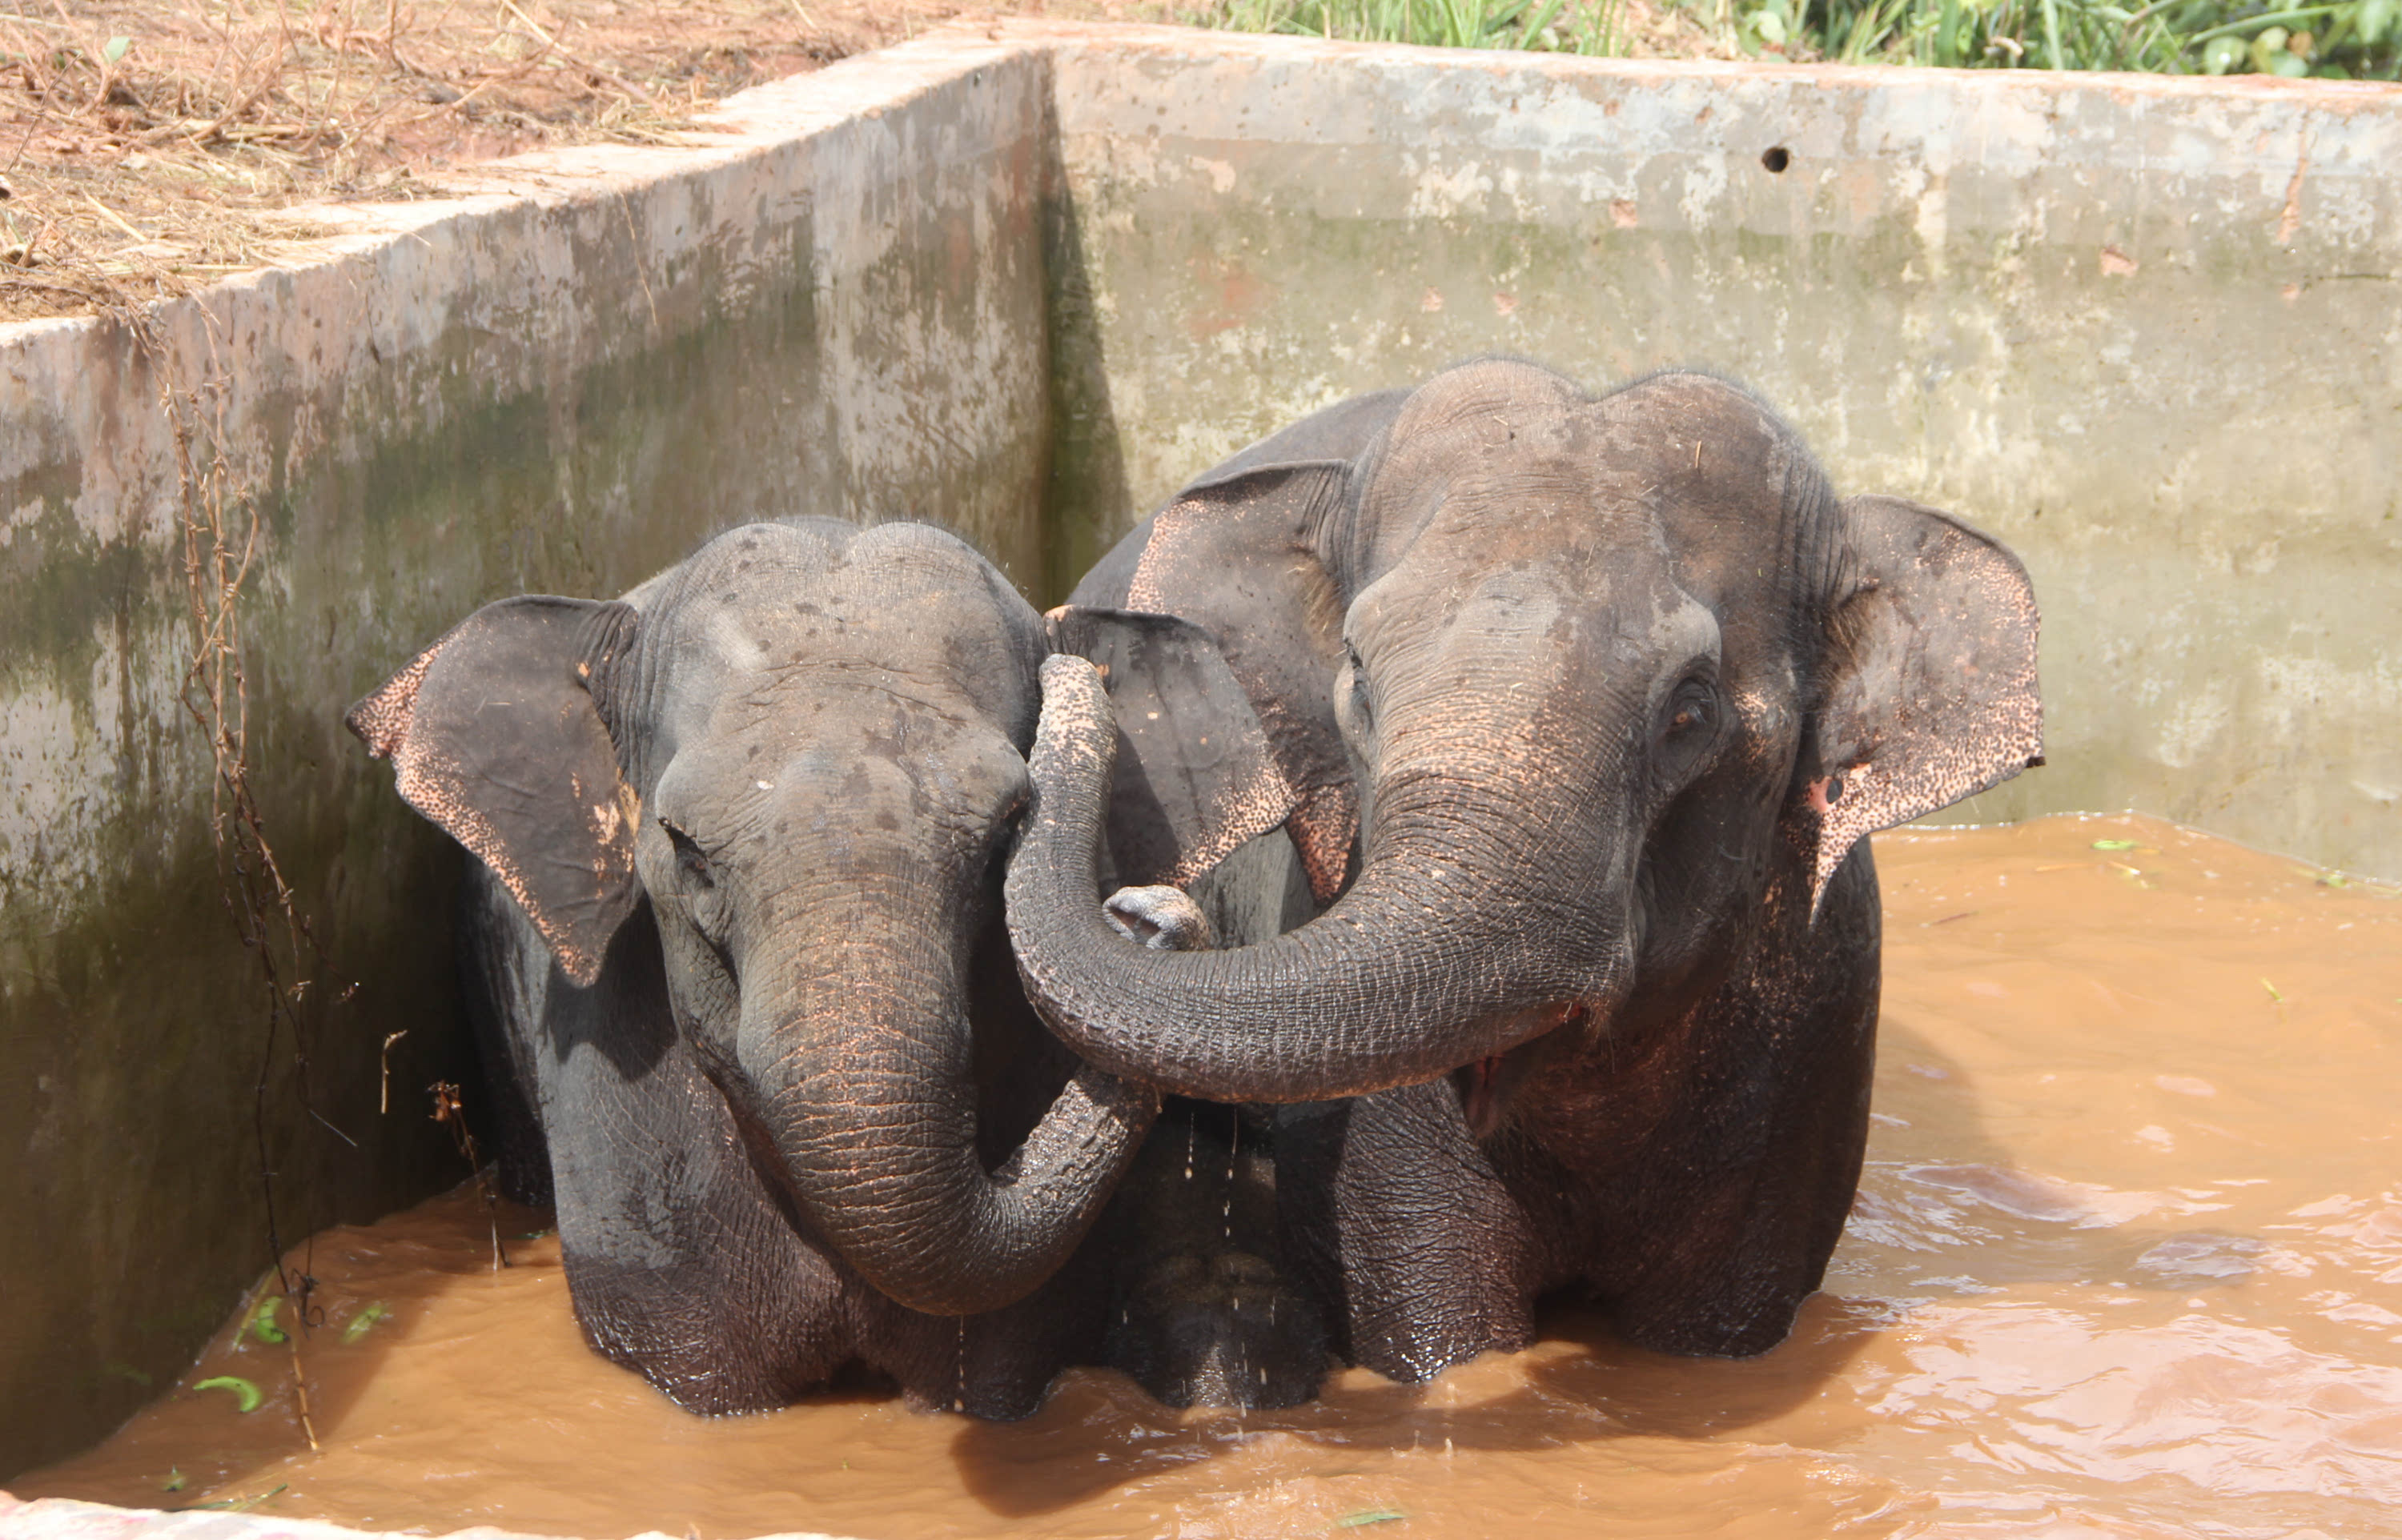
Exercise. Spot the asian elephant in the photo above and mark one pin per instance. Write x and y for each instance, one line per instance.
(1580, 707)
(733, 944)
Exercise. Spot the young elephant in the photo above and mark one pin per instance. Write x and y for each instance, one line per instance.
(733, 938)
(1611, 689)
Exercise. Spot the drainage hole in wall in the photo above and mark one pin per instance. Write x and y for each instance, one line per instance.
(1775, 157)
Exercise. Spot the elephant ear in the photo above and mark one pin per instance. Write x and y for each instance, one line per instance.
(1239, 554)
(1930, 692)
(497, 739)
(1196, 775)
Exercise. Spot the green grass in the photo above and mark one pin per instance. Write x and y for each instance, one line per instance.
(2346, 40)
(2353, 40)
(1549, 26)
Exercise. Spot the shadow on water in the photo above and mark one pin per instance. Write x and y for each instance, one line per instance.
(202, 1439)
(2015, 1184)
(1947, 1208)
(1579, 1384)
(1970, 1214)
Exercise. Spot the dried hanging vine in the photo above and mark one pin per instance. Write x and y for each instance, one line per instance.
(219, 522)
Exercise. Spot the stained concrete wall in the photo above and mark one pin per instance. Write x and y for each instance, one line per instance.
(558, 383)
(2148, 331)
(1027, 280)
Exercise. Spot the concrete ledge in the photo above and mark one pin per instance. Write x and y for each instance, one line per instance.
(56, 1519)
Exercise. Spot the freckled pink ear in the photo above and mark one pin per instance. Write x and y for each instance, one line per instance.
(497, 740)
(1196, 775)
(1929, 689)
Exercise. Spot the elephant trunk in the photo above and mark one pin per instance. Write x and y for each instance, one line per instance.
(1405, 978)
(864, 1074)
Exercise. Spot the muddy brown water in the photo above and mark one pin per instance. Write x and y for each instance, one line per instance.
(2126, 1260)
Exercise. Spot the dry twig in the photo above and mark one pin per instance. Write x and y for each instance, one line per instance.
(181, 123)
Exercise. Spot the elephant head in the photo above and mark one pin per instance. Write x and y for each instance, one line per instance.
(1611, 684)
(803, 748)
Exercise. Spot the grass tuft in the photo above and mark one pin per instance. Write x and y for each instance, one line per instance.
(1550, 26)
(2344, 40)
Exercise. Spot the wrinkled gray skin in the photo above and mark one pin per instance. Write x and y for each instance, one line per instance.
(735, 930)
(1577, 708)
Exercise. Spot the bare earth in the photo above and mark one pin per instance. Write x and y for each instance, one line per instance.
(148, 147)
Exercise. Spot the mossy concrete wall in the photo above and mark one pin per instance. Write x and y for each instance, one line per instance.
(558, 383)
(1025, 281)
(2148, 331)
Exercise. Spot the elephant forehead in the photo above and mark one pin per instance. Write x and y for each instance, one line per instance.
(1564, 593)
(869, 768)
(1684, 463)
(905, 595)
(731, 664)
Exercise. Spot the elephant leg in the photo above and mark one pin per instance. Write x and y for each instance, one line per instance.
(997, 1365)
(1727, 1227)
(1729, 1268)
(1400, 1217)
(1207, 1314)
(493, 988)
(680, 1262)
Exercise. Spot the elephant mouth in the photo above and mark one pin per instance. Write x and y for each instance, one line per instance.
(1488, 1085)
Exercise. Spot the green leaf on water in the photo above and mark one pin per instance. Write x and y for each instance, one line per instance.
(245, 1394)
(363, 1322)
(242, 1505)
(116, 49)
(262, 1320)
(2272, 992)
(1369, 1516)
(174, 1479)
(2114, 844)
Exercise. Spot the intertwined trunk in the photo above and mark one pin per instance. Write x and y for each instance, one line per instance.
(1407, 977)
(863, 1073)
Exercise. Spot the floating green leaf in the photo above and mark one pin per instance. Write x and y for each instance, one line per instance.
(116, 49)
(363, 1322)
(243, 1504)
(174, 1479)
(262, 1320)
(2114, 844)
(1369, 1516)
(2272, 992)
(245, 1394)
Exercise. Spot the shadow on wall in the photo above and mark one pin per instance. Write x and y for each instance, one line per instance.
(1087, 501)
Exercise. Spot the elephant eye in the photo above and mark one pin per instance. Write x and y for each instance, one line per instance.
(692, 861)
(1688, 724)
(1359, 685)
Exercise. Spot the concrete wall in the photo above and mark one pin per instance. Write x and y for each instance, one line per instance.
(2148, 331)
(558, 384)
(1027, 281)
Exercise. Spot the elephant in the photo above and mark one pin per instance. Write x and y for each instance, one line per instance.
(1580, 708)
(732, 945)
